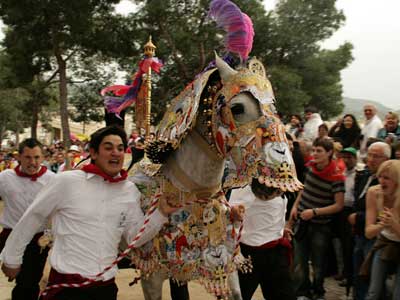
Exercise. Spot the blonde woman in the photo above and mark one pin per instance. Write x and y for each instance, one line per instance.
(383, 222)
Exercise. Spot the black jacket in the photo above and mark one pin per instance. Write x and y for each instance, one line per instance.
(359, 205)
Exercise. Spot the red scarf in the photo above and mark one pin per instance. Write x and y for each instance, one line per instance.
(330, 173)
(33, 177)
(92, 168)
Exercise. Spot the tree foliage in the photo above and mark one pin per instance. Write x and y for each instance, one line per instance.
(53, 34)
(13, 100)
(70, 42)
(287, 40)
(87, 103)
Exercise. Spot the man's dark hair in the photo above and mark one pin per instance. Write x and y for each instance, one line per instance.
(298, 117)
(30, 143)
(97, 137)
(325, 143)
(311, 109)
(323, 125)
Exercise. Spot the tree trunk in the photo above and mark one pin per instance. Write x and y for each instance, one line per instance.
(18, 129)
(2, 132)
(34, 122)
(17, 138)
(63, 99)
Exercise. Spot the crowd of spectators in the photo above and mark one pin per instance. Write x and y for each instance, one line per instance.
(339, 166)
(349, 205)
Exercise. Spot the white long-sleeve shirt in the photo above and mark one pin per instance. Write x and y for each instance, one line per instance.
(18, 193)
(310, 129)
(264, 221)
(89, 217)
(370, 129)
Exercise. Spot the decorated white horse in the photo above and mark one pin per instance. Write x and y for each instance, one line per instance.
(226, 113)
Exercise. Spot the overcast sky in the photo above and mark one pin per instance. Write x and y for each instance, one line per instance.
(373, 27)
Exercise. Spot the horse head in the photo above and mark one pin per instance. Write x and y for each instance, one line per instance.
(247, 131)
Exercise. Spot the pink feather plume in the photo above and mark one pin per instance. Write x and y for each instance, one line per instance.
(238, 25)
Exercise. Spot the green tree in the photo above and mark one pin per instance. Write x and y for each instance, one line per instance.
(12, 117)
(12, 100)
(87, 103)
(287, 40)
(55, 33)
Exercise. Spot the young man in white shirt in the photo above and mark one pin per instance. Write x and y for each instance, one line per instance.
(266, 241)
(91, 209)
(18, 188)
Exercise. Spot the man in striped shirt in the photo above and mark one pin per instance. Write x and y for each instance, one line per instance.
(322, 197)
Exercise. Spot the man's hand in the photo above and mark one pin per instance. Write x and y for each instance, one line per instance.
(307, 214)
(11, 273)
(237, 213)
(293, 213)
(352, 218)
(165, 208)
(288, 233)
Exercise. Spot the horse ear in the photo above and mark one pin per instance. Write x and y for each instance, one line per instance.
(225, 71)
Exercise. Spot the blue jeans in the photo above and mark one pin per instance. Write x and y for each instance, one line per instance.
(362, 246)
(379, 272)
(312, 246)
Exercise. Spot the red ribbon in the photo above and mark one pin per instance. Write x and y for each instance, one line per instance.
(33, 177)
(92, 168)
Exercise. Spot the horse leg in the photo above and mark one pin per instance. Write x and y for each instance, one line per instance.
(152, 286)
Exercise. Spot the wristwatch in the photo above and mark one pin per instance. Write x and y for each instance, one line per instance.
(314, 210)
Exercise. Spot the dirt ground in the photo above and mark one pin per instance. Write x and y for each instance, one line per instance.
(196, 291)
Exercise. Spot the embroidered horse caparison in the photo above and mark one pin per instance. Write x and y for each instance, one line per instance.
(225, 120)
(224, 114)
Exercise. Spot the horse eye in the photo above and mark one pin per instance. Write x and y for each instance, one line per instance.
(237, 109)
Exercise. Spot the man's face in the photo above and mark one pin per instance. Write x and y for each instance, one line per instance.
(60, 158)
(322, 132)
(375, 158)
(308, 115)
(31, 159)
(320, 155)
(110, 156)
(391, 122)
(349, 160)
(397, 154)
(294, 121)
(369, 112)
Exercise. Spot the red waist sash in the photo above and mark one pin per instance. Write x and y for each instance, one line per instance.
(56, 278)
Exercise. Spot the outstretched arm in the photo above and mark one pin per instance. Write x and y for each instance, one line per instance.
(32, 220)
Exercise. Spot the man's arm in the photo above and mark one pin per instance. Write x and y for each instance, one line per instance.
(327, 210)
(136, 221)
(34, 217)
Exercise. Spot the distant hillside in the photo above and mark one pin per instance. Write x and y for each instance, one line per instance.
(355, 107)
